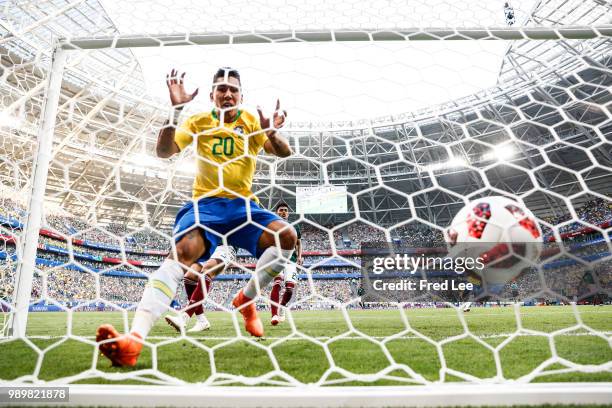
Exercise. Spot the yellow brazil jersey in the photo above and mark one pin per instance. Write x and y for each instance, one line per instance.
(224, 145)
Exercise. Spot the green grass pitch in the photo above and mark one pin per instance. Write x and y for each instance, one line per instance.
(358, 350)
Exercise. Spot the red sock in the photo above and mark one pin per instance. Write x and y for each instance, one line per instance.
(189, 287)
(288, 293)
(275, 295)
(199, 295)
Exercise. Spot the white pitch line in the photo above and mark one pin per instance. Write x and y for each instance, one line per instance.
(323, 338)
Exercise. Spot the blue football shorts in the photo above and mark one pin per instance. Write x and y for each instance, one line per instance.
(222, 215)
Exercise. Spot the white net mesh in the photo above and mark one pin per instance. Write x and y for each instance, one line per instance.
(412, 129)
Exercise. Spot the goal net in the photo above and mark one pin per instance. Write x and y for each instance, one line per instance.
(399, 114)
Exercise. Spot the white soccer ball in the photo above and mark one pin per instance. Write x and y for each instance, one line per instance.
(502, 232)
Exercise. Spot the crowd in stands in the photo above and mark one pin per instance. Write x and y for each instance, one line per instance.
(419, 236)
(63, 260)
(111, 234)
(339, 290)
(320, 270)
(412, 235)
(359, 232)
(563, 283)
(117, 289)
(222, 292)
(594, 212)
(6, 279)
(314, 239)
(10, 209)
(335, 270)
(77, 228)
(312, 259)
(65, 285)
(77, 249)
(68, 284)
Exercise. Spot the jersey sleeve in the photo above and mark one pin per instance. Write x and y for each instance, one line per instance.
(184, 134)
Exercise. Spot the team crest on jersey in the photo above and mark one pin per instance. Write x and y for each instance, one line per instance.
(239, 130)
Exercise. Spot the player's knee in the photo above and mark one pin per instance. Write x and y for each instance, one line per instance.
(288, 238)
(188, 251)
(191, 276)
(194, 272)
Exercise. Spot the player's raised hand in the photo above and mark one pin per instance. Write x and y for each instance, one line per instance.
(278, 119)
(176, 88)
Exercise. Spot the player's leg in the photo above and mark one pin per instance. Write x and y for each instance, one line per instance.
(221, 258)
(163, 284)
(190, 280)
(271, 262)
(290, 282)
(275, 298)
(196, 299)
(195, 296)
(193, 289)
(201, 273)
(210, 269)
(273, 259)
(164, 281)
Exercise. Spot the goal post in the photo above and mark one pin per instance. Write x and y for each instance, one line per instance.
(391, 34)
(437, 395)
(25, 270)
(18, 322)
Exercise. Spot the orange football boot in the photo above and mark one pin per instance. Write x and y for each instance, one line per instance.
(252, 322)
(124, 351)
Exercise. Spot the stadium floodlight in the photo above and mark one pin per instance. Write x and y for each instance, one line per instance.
(500, 153)
(452, 163)
(400, 173)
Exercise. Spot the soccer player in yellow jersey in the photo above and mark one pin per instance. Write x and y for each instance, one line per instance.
(227, 141)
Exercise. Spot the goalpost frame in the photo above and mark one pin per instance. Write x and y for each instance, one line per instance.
(434, 395)
(431, 395)
(25, 269)
(363, 35)
(29, 241)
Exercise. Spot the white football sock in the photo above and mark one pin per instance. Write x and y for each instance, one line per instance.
(157, 296)
(201, 318)
(270, 263)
